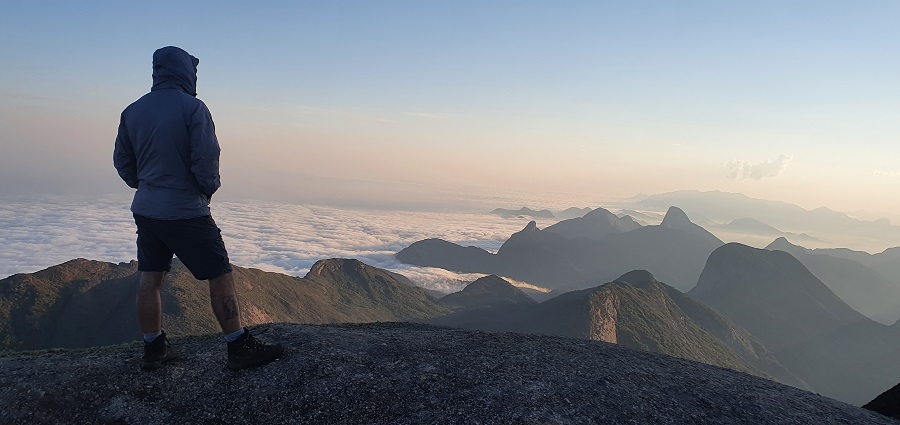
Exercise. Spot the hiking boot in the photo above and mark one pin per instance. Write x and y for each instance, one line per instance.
(248, 351)
(157, 352)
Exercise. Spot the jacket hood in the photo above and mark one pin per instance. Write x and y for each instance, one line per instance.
(174, 68)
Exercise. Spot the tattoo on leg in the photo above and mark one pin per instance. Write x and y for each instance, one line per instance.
(231, 311)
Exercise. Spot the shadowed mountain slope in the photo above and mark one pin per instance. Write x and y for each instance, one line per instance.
(42, 309)
(403, 374)
(535, 255)
(819, 338)
(488, 291)
(863, 288)
(672, 254)
(54, 307)
(852, 364)
(887, 403)
(772, 295)
(886, 262)
(638, 312)
(741, 342)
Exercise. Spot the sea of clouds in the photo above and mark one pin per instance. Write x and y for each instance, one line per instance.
(39, 232)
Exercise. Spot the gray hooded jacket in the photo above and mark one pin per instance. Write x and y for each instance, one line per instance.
(167, 147)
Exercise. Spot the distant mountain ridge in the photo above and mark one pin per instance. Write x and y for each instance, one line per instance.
(755, 227)
(822, 222)
(862, 287)
(571, 212)
(608, 246)
(887, 262)
(524, 211)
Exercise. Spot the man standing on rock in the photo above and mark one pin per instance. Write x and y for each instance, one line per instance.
(167, 149)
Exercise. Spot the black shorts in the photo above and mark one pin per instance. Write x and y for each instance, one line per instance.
(196, 241)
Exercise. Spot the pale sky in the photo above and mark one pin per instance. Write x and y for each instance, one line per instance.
(412, 103)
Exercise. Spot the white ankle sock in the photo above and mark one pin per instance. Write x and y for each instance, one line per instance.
(152, 337)
(234, 335)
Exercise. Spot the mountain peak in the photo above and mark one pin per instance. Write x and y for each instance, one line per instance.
(676, 218)
(601, 212)
(488, 291)
(595, 225)
(333, 265)
(489, 281)
(782, 244)
(781, 240)
(638, 278)
(531, 227)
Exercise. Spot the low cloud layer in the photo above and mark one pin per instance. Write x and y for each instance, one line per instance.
(881, 173)
(41, 232)
(747, 170)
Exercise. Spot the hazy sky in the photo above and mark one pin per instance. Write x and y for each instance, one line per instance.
(415, 103)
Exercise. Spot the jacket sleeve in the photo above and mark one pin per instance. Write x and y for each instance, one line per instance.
(204, 150)
(123, 156)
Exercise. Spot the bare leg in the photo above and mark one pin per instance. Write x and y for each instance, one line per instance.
(225, 303)
(149, 306)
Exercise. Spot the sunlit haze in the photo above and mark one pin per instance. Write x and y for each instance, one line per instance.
(428, 105)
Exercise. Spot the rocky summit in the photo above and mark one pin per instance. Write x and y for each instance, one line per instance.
(391, 373)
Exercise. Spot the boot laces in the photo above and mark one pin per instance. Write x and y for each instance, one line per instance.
(251, 343)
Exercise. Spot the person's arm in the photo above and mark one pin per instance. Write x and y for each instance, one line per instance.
(204, 151)
(123, 156)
